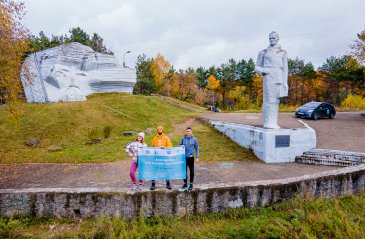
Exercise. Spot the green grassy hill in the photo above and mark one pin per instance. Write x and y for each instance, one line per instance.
(71, 126)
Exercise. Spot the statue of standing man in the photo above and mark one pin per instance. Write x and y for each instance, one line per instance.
(272, 64)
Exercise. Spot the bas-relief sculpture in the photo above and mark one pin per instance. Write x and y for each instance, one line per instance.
(72, 71)
(272, 64)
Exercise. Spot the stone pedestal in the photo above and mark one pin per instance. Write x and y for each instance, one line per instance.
(270, 145)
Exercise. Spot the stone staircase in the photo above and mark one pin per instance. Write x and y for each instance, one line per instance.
(331, 157)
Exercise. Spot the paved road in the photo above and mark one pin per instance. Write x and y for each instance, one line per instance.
(345, 132)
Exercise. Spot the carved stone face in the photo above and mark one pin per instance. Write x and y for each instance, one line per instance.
(273, 39)
(60, 76)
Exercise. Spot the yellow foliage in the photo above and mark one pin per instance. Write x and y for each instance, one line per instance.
(159, 69)
(257, 83)
(242, 101)
(213, 83)
(354, 101)
(237, 92)
(184, 86)
(14, 43)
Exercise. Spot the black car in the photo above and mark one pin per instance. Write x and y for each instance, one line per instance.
(316, 110)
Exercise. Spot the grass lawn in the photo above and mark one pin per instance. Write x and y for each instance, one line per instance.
(69, 126)
(297, 218)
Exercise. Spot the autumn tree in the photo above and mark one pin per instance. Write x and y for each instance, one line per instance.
(257, 86)
(14, 43)
(184, 85)
(159, 68)
(213, 85)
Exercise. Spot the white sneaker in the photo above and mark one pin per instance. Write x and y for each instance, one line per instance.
(134, 187)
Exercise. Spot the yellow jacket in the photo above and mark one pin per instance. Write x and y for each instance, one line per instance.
(161, 140)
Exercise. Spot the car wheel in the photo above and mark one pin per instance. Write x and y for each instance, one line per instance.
(331, 116)
(315, 116)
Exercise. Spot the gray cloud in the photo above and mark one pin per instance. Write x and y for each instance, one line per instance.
(203, 33)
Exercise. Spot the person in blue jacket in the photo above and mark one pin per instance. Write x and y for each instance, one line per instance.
(191, 145)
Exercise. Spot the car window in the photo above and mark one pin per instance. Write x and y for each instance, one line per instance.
(312, 105)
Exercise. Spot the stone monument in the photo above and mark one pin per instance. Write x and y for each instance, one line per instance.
(72, 71)
(271, 143)
(272, 64)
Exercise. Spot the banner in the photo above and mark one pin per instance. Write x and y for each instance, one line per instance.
(161, 164)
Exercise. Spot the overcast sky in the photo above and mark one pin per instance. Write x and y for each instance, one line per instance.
(205, 32)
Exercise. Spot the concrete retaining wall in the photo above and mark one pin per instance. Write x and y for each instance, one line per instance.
(91, 202)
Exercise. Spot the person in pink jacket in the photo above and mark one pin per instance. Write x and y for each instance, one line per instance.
(132, 150)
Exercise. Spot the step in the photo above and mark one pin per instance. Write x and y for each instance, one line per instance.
(324, 161)
(336, 155)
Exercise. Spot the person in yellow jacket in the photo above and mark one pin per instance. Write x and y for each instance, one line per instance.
(161, 140)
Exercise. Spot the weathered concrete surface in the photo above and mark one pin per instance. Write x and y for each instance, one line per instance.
(90, 202)
(91, 189)
(331, 157)
(265, 143)
(344, 132)
(116, 175)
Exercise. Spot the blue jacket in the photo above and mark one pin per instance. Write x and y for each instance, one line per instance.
(190, 144)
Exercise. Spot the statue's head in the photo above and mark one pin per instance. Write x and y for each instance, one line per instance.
(59, 76)
(273, 38)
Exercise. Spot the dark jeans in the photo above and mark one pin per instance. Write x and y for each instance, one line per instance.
(154, 182)
(190, 165)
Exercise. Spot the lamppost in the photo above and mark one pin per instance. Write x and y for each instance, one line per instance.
(123, 58)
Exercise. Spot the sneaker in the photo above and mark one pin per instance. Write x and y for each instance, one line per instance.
(139, 187)
(153, 187)
(190, 187)
(168, 186)
(183, 188)
(134, 187)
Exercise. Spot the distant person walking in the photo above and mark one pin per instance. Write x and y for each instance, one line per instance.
(132, 150)
(162, 141)
(191, 145)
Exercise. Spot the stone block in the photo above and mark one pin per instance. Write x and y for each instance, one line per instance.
(270, 145)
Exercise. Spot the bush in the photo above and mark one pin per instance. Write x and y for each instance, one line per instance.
(107, 131)
(7, 226)
(354, 101)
